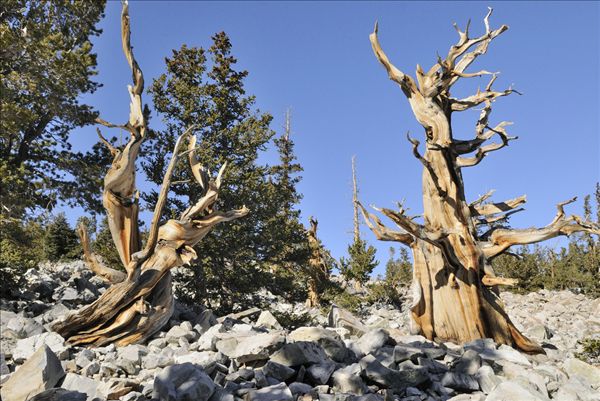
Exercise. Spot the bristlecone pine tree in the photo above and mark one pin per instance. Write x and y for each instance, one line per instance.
(455, 290)
(318, 269)
(140, 301)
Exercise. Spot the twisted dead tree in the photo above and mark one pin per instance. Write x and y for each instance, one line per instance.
(318, 270)
(140, 300)
(454, 287)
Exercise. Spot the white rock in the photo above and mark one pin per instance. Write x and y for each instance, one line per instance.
(82, 384)
(27, 346)
(40, 372)
(513, 391)
(577, 368)
(203, 359)
(267, 320)
(277, 392)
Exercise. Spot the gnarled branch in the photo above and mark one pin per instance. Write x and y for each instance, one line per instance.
(382, 232)
(484, 150)
(405, 81)
(498, 207)
(501, 239)
(107, 274)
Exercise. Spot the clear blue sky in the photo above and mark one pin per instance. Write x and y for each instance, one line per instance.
(315, 57)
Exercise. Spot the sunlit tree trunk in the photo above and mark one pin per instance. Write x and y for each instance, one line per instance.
(454, 287)
(140, 301)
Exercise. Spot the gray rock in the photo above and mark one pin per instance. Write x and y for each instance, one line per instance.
(240, 375)
(267, 320)
(75, 382)
(487, 379)
(511, 391)
(329, 340)
(117, 387)
(298, 388)
(299, 353)
(506, 353)
(84, 357)
(56, 312)
(277, 392)
(371, 341)
(539, 332)
(203, 359)
(178, 332)
(469, 363)
(27, 346)
(205, 321)
(240, 315)
(221, 394)
(278, 371)
(208, 340)
(59, 394)
(132, 353)
(133, 396)
(320, 373)
(404, 352)
(4, 370)
(459, 381)
(348, 380)
(385, 355)
(90, 369)
(339, 317)
(183, 382)
(395, 380)
(251, 347)
(432, 365)
(575, 390)
(40, 372)
(577, 368)
(24, 327)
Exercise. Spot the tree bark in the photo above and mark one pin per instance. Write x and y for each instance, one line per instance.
(317, 271)
(140, 301)
(454, 287)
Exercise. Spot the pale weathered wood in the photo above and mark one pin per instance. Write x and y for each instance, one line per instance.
(317, 271)
(455, 291)
(140, 302)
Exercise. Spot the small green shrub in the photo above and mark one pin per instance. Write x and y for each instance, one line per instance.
(291, 321)
(591, 351)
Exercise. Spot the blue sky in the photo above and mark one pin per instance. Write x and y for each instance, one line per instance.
(315, 57)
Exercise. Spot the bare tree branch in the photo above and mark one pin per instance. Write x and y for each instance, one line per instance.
(405, 81)
(499, 207)
(484, 150)
(382, 232)
(107, 274)
(482, 198)
(501, 239)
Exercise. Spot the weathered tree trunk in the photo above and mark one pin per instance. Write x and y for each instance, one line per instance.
(317, 271)
(454, 287)
(140, 301)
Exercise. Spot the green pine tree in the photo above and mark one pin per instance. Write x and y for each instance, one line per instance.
(204, 89)
(360, 263)
(398, 271)
(60, 241)
(47, 64)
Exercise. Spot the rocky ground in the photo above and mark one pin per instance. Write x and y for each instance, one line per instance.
(250, 356)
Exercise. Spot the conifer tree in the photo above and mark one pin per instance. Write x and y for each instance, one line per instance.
(398, 271)
(60, 241)
(289, 248)
(47, 64)
(204, 89)
(361, 261)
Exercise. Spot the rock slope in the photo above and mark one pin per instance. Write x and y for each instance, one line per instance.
(250, 356)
